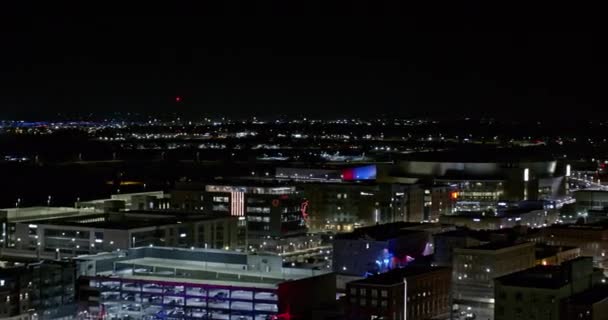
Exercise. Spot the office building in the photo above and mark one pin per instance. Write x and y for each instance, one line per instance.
(199, 284)
(542, 292)
(474, 271)
(444, 244)
(92, 233)
(408, 293)
(587, 200)
(592, 239)
(270, 209)
(529, 214)
(153, 200)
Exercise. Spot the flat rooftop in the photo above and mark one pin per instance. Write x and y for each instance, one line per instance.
(128, 220)
(380, 232)
(479, 154)
(396, 276)
(498, 245)
(32, 213)
(208, 271)
(544, 250)
(547, 277)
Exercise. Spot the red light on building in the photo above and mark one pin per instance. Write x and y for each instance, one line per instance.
(304, 209)
(178, 99)
(454, 195)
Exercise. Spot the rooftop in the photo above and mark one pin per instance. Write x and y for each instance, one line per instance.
(590, 296)
(544, 250)
(547, 277)
(396, 276)
(478, 154)
(498, 245)
(207, 266)
(380, 232)
(32, 213)
(129, 220)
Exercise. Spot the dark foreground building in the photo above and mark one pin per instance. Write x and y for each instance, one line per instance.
(545, 292)
(38, 290)
(410, 293)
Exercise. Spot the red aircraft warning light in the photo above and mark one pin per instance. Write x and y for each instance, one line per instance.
(178, 99)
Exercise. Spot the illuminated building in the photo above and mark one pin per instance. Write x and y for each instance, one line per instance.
(199, 284)
(377, 249)
(153, 200)
(475, 268)
(587, 200)
(412, 293)
(438, 201)
(37, 289)
(270, 210)
(592, 239)
(547, 255)
(542, 292)
(532, 214)
(486, 176)
(76, 235)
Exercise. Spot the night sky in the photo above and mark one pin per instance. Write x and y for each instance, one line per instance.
(302, 57)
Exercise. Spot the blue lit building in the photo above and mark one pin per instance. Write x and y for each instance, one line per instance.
(379, 248)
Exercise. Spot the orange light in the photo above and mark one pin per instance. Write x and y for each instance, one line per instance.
(454, 195)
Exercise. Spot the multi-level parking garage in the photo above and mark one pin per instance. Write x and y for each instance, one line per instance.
(168, 283)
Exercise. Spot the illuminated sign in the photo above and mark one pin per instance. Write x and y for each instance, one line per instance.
(304, 209)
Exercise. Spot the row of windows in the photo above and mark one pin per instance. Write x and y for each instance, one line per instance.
(220, 199)
(258, 219)
(519, 296)
(374, 292)
(258, 209)
(373, 303)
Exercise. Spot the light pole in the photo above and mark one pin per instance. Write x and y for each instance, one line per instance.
(404, 298)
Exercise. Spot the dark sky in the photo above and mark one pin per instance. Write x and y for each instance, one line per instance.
(302, 57)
